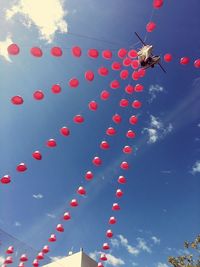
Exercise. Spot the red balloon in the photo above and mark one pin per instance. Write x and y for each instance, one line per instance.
(36, 52)
(110, 131)
(60, 228)
(13, 49)
(157, 3)
(132, 53)
(116, 65)
(89, 75)
(104, 145)
(23, 258)
(40, 256)
(37, 155)
(74, 203)
(45, 249)
(35, 263)
(114, 84)
(93, 105)
(10, 250)
(21, 167)
(124, 165)
(78, 119)
(136, 104)
(109, 233)
(56, 51)
(184, 60)
(107, 54)
(124, 103)
(167, 57)
(93, 53)
(51, 143)
(100, 264)
(105, 95)
(117, 118)
(130, 134)
(56, 89)
(103, 71)
(122, 53)
(124, 74)
(135, 75)
(38, 95)
(81, 191)
(76, 51)
(115, 206)
(197, 63)
(97, 161)
(133, 119)
(8, 260)
(142, 72)
(150, 26)
(129, 89)
(17, 100)
(139, 88)
(73, 82)
(106, 246)
(52, 238)
(127, 149)
(112, 220)
(66, 216)
(135, 64)
(127, 62)
(5, 179)
(89, 175)
(119, 193)
(121, 180)
(103, 257)
(65, 131)
(21, 264)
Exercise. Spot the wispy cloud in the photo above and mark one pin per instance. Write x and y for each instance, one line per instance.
(157, 130)
(134, 263)
(161, 264)
(112, 260)
(196, 167)
(17, 224)
(155, 239)
(51, 215)
(1, 259)
(3, 48)
(166, 172)
(143, 245)
(38, 196)
(47, 16)
(154, 90)
(124, 242)
(56, 258)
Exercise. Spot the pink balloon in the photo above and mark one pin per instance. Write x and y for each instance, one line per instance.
(135, 75)
(124, 103)
(52, 238)
(73, 82)
(74, 203)
(21, 264)
(184, 60)
(104, 145)
(105, 95)
(107, 54)
(37, 155)
(129, 89)
(56, 89)
(89, 75)
(60, 228)
(103, 71)
(100, 264)
(5, 179)
(167, 57)
(117, 118)
(139, 88)
(10, 250)
(150, 26)
(66, 216)
(157, 3)
(109, 233)
(133, 119)
(127, 62)
(127, 149)
(97, 161)
(76, 51)
(103, 257)
(93, 53)
(142, 72)
(36, 52)
(110, 131)
(132, 53)
(17, 100)
(56, 51)
(112, 220)
(135, 64)
(106, 246)
(45, 249)
(40, 256)
(38, 95)
(136, 104)
(124, 74)
(130, 134)
(35, 263)
(93, 105)
(65, 131)
(21, 167)
(23, 258)
(124, 165)
(51, 143)
(13, 49)
(78, 119)
(115, 206)
(122, 53)
(81, 191)
(197, 63)
(119, 193)
(121, 180)
(89, 175)
(116, 65)
(114, 84)
(8, 260)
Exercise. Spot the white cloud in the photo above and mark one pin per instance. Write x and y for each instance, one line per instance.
(115, 242)
(114, 261)
(154, 90)
(134, 263)
(17, 224)
(157, 130)
(198, 125)
(160, 264)
(1, 260)
(3, 47)
(94, 255)
(46, 15)
(124, 242)
(56, 258)
(143, 245)
(155, 239)
(196, 167)
(38, 196)
(51, 215)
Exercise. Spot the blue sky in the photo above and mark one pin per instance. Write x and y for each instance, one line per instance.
(159, 209)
